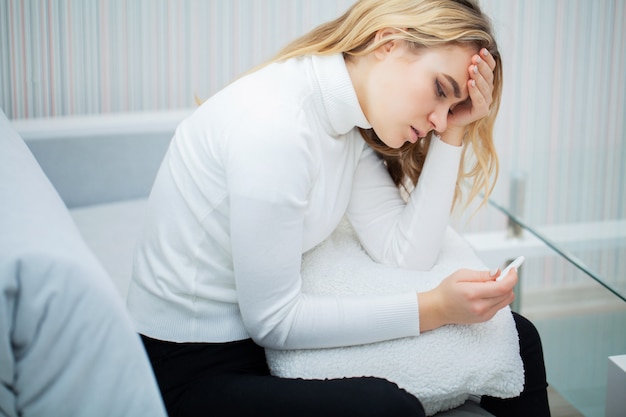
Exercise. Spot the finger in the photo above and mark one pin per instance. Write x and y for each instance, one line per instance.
(493, 309)
(488, 58)
(484, 87)
(482, 67)
(471, 275)
(485, 90)
(483, 76)
(507, 283)
(492, 305)
(489, 307)
(497, 290)
(495, 273)
(504, 302)
(480, 106)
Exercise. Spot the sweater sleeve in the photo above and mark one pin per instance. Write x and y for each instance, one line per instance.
(406, 234)
(269, 178)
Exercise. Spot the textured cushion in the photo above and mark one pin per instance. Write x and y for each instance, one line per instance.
(66, 345)
(442, 367)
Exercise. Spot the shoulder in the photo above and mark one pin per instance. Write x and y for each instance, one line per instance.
(270, 107)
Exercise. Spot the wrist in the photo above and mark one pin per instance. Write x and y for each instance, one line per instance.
(453, 136)
(430, 316)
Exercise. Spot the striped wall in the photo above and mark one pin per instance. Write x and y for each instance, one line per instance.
(65, 57)
(562, 125)
(563, 121)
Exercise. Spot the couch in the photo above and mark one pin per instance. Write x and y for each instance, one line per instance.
(67, 347)
(66, 343)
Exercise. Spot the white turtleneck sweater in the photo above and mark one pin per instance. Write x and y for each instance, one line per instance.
(260, 173)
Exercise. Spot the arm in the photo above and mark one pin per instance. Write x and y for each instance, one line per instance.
(404, 234)
(266, 241)
(268, 198)
(276, 312)
(410, 235)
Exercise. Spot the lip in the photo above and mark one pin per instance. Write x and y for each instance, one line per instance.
(415, 135)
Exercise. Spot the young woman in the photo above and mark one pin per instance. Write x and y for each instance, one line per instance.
(384, 100)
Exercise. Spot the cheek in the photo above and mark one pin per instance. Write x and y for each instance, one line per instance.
(397, 102)
(383, 107)
(391, 94)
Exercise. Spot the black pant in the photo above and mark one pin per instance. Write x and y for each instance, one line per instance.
(201, 379)
(534, 399)
(224, 379)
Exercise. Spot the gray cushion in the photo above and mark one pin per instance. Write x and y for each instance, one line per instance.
(67, 346)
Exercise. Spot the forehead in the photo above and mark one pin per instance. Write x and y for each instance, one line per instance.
(449, 62)
(455, 55)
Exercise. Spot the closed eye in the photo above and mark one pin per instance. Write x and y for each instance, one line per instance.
(440, 92)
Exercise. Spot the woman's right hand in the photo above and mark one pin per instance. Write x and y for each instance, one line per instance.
(465, 297)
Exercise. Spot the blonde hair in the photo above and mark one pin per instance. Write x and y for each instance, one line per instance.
(423, 24)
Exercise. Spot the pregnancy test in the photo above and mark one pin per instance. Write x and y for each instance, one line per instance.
(515, 264)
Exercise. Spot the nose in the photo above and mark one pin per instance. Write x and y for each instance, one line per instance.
(439, 119)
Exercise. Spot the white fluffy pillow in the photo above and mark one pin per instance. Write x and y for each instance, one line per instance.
(441, 367)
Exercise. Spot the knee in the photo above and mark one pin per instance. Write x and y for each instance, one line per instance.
(528, 333)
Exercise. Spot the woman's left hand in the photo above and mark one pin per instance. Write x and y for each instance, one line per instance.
(480, 87)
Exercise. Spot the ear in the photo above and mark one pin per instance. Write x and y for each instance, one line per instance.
(386, 35)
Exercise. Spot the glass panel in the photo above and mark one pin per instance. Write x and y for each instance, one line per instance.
(581, 325)
(597, 248)
(572, 288)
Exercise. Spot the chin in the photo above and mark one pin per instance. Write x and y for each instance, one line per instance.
(401, 144)
(394, 144)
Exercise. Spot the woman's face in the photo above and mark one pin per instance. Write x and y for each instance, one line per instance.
(410, 93)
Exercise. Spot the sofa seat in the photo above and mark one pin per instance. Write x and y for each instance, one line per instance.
(111, 231)
(67, 345)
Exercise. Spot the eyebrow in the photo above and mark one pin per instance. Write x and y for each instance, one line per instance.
(455, 85)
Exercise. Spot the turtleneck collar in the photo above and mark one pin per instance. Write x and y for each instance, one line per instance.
(339, 99)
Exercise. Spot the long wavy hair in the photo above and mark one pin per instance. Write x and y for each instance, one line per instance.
(423, 24)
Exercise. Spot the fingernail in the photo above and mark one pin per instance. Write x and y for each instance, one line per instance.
(478, 60)
(475, 69)
(473, 83)
(493, 272)
(485, 52)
